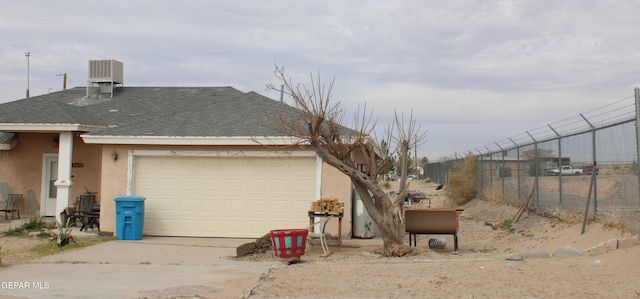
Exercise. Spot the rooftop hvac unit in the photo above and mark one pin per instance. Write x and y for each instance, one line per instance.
(106, 71)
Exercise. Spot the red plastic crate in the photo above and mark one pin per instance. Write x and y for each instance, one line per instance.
(289, 243)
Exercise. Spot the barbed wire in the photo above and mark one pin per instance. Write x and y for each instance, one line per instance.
(618, 111)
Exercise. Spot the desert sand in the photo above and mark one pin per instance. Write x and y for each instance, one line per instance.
(483, 268)
(478, 271)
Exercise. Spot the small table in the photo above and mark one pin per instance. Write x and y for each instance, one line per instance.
(90, 218)
(338, 215)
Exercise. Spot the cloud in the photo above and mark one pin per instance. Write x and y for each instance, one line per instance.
(473, 72)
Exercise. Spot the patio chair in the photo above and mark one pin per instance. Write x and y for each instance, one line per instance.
(71, 214)
(322, 225)
(12, 206)
(85, 211)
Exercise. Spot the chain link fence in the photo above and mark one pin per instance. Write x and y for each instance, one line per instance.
(586, 164)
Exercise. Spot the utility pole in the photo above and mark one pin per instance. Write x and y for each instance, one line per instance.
(27, 54)
(64, 80)
(415, 156)
(282, 93)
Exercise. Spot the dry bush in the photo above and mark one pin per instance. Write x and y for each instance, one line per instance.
(461, 187)
(385, 185)
(569, 217)
(494, 196)
(614, 221)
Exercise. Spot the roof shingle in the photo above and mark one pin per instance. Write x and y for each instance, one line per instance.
(153, 111)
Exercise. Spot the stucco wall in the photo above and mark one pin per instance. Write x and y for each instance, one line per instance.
(337, 184)
(21, 168)
(86, 169)
(114, 181)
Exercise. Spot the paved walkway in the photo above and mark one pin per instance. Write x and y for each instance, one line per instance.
(154, 267)
(151, 267)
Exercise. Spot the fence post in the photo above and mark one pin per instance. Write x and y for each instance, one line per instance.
(559, 160)
(518, 165)
(594, 178)
(537, 170)
(637, 95)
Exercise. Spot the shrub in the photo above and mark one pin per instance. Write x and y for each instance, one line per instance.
(461, 187)
(493, 195)
(508, 225)
(504, 172)
(34, 224)
(634, 168)
(385, 185)
(534, 169)
(614, 221)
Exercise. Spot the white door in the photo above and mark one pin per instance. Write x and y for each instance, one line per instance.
(242, 197)
(49, 189)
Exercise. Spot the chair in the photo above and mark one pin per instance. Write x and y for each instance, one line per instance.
(71, 213)
(322, 225)
(85, 211)
(12, 206)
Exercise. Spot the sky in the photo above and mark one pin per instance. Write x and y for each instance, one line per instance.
(470, 72)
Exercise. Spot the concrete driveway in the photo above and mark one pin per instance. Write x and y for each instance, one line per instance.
(151, 267)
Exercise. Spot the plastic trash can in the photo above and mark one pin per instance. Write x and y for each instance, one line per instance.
(129, 217)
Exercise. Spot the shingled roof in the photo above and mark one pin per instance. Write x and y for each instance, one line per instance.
(152, 111)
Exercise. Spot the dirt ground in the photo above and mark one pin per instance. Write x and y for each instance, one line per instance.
(481, 270)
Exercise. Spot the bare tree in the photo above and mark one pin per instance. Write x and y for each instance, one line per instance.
(530, 154)
(321, 128)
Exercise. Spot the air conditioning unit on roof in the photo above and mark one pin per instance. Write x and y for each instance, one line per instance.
(106, 71)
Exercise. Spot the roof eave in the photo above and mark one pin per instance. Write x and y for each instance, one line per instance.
(189, 140)
(47, 128)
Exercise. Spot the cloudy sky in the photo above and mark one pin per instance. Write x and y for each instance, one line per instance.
(473, 72)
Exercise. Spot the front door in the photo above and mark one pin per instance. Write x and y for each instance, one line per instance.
(49, 190)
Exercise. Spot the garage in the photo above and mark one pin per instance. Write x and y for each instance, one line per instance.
(215, 194)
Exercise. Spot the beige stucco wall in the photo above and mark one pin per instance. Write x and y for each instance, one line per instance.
(337, 184)
(114, 181)
(96, 171)
(21, 168)
(86, 173)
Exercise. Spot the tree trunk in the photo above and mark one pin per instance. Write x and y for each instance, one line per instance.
(387, 216)
(385, 212)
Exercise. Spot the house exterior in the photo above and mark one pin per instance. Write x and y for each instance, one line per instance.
(197, 155)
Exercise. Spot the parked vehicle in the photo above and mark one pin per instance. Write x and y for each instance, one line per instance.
(412, 177)
(589, 169)
(566, 170)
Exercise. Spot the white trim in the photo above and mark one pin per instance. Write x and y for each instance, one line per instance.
(46, 157)
(130, 173)
(16, 127)
(189, 140)
(237, 154)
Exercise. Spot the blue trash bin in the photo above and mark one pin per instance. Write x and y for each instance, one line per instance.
(129, 217)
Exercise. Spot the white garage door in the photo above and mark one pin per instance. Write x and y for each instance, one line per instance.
(224, 196)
